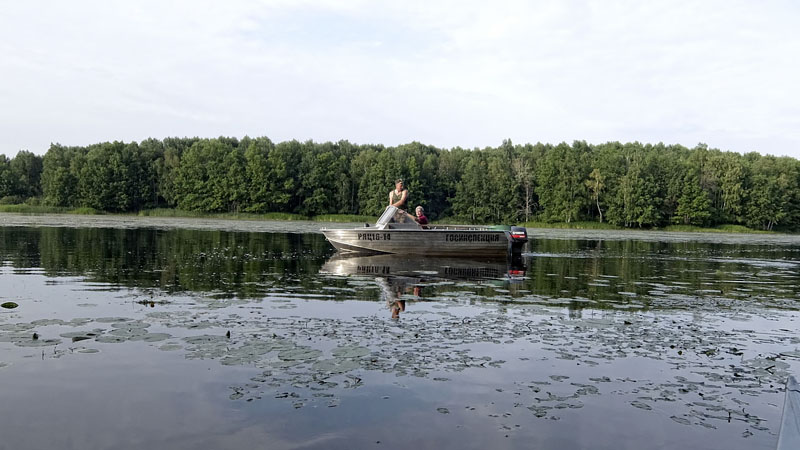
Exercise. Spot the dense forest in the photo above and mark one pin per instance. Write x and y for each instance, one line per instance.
(631, 185)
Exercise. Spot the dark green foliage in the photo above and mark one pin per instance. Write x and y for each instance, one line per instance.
(472, 193)
(321, 170)
(59, 178)
(199, 180)
(773, 199)
(694, 204)
(637, 191)
(6, 178)
(282, 177)
(629, 185)
(26, 172)
(563, 171)
(257, 168)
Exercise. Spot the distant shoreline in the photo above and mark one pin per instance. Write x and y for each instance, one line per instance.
(722, 228)
(347, 218)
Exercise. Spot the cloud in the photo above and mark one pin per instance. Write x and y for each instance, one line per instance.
(448, 73)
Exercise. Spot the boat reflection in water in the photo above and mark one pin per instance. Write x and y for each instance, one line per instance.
(402, 278)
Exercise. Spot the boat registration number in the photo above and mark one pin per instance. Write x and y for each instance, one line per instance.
(374, 236)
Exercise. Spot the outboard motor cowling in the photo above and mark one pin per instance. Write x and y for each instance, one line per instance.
(519, 234)
(517, 238)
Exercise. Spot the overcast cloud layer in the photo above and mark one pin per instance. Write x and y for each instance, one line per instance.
(449, 73)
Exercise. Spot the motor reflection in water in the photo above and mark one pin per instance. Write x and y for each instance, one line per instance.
(403, 278)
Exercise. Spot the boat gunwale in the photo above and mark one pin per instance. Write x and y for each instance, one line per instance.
(451, 228)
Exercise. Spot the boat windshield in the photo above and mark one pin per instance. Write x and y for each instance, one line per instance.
(386, 217)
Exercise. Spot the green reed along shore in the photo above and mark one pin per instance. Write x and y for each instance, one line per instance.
(168, 212)
(41, 209)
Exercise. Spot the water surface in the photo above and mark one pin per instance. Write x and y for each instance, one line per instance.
(176, 333)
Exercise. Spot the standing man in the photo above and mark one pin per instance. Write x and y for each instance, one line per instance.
(399, 195)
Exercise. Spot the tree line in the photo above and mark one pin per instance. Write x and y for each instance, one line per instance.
(630, 185)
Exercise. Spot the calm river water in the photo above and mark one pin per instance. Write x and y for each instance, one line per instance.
(199, 334)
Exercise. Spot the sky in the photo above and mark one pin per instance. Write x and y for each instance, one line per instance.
(444, 73)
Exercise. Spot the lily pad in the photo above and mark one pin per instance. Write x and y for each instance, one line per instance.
(641, 405)
(46, 322)
(336, 365)
(37, 343)
(77, 336)
(151, 337)
(170, 347)
(8, 305)
(15, 337)
(111, 339)
(285, 364)
(78, 321)
(539, 411)
(205, 339)
(112, 319)
(681, 420)
(16, 327)
(299, 354)
(131, 324)
(128, 332)
(353, 351)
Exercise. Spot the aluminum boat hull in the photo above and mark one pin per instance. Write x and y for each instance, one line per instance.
(434, 242)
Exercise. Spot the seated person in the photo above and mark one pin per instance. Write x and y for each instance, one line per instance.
(420, 216)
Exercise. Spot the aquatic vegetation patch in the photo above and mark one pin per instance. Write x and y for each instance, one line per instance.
(36, 342)
(335, 366)
(299, 354)
(15, 336)
(111, 339)
(151, 337)
(350, 351)
(311, 360)
(88, 350)
(77, 336)
(170, 347)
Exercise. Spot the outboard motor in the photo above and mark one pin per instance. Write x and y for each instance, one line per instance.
(518, 237)
(519, 234)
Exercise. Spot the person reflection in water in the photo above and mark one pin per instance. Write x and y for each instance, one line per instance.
(396, 307)
(394, 294)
